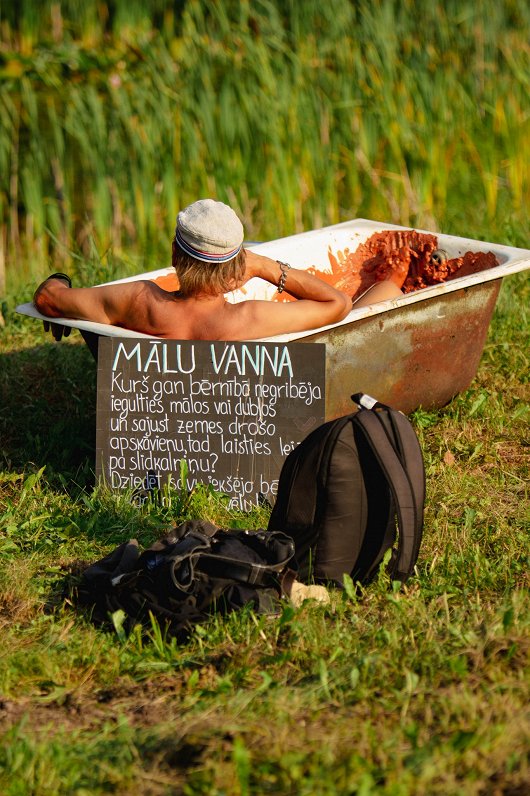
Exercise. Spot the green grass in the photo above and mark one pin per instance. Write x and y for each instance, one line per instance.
(425, 691)
(116, 115)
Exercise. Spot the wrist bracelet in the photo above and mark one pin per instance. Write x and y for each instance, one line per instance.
(284, 267)
(59, 275)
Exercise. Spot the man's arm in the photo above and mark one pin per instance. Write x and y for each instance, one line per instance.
(318, 303)
(109, 304)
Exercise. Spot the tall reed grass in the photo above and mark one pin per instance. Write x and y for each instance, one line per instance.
(115, 115)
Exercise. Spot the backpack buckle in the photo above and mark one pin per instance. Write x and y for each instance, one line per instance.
(364, 401)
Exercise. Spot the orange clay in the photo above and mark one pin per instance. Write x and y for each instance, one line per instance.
(167, 282)
(404, 257)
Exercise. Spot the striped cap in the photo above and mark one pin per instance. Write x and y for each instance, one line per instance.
(209, 231)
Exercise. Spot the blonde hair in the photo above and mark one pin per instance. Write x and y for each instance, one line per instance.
(213, 279)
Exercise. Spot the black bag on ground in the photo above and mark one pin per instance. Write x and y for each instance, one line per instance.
(184, 578)
(341, 489)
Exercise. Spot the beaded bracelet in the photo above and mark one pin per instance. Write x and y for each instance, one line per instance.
(59, 275)
(284, 267)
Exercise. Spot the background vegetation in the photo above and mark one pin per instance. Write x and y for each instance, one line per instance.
(115, 114)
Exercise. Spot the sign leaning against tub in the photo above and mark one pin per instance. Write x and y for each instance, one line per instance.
(179, 413)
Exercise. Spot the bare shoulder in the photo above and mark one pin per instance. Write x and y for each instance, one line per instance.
(135, 287)
(143, 306)
(137, 291)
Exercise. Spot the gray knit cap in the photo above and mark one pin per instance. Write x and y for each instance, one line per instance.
(209, 231)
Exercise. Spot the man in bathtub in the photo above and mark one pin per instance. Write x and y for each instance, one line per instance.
(209, 260)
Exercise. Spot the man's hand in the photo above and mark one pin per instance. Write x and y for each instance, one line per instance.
(250, 258)
(58, 330)
(259, 265)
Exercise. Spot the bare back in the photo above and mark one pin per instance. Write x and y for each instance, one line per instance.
(168, 315)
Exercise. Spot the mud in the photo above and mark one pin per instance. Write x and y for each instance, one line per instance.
(411, 259)
(167, 282)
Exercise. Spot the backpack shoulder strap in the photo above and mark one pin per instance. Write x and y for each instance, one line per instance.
(397, 450)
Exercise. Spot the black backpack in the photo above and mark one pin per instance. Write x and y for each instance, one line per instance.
(185, 577)
(340, 490)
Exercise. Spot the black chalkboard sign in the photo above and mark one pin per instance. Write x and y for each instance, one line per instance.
(231, 411)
